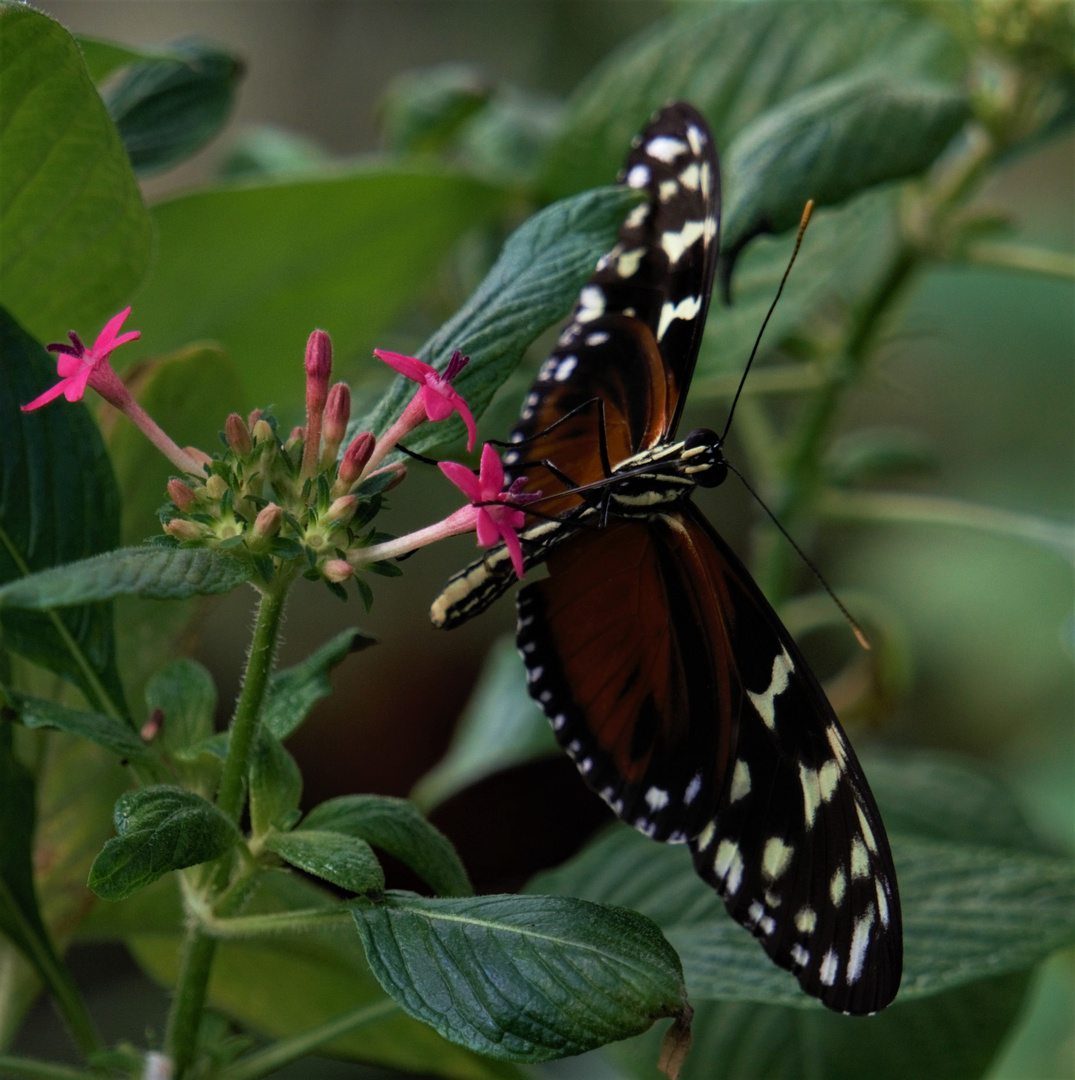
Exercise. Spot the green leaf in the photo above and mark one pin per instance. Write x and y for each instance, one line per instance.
(169, 106)
(159, 828)
(155, 573)
(275, 785)
(20, 917)
(523, 978)
(184, 693)
(533, 284)
(830, 142)
(951, 1035)
(336, 857)
(103, 57)
(422, 111)
(294, 691)
(396, 827)
(501, 727)
(255, 267)
(76, 233)
(58, 502)
(104, 730)
(734, 61)
(288, 984)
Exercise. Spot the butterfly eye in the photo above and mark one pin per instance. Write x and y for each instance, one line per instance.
(704, 458)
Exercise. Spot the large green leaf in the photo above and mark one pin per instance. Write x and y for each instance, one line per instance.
(336, 857)
(258, 267)
(534, 282)
(734, 61)
(159, 829)
(522, 978)
(76, 233)
(396, 827)
(290, 983)
(830, 142)
(502, 727)
(275, 785)
(154, 573)
(58, 502)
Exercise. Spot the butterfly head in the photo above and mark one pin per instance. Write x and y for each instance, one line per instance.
(702, 458)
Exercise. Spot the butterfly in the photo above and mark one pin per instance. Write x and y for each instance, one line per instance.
(665, 673)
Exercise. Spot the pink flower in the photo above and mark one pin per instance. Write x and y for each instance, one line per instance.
(78, 365)
(497, 513)
(435, 400)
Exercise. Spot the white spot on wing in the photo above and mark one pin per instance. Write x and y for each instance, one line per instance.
(565, 367)
(692, 790)
(635, 218)
(838, 887)
(830, 964)
(728, 865)
(687, 308)
(638, 176)
(667, 190)
(627, 264)
(740, 781)
(696, 139)
(800, 955)
(860, 942)
(755, 911)
(591, 304)
(676, 243)
(775, 858)
(806, 920)
(811, 794)
(860, 860)
(705, 837)
(829, 777)
(767, 924)
(765, 702)
(598, 337)
(867, 832)
(665, 148)
(839, 748)
(690, 177)
(882, 902)
(657, 798)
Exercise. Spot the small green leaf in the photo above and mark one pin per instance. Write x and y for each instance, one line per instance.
(155, 573)
(159, 828)
(103, 57)
(831, 142)
(186, 696)
(533, 284)
(275, 785)
(104, 730)
(421, 112)
(169, 106)
(58, 502)
(396, 826)
(501, 727)
(76, 232)
(294, 691)
(343, 860)
(522, 978)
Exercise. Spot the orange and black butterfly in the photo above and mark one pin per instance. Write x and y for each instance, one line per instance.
(665, 673)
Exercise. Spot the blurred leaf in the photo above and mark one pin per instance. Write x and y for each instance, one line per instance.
(734, 61)
(951, 1035)
(169, 106)
(159, 828)
(58, 502)
(291, 983)
(501, 727)
(106, 731)
(534, 282)
(189, 393)
(186, 696)
(878, 453)
(396, 827)
(275, 785)
(522, 978)
(158, 573)
(271, 152)
(511, 135)
(422, 111)
(76, 234)
(831, 142)
(343, 860)
(256, 268)
(102, 57)
(293, 692)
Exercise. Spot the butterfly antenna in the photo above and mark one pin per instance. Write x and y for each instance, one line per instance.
(415, 455)
(807, 211)
(860, 634)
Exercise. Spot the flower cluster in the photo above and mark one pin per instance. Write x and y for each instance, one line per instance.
(294, 502)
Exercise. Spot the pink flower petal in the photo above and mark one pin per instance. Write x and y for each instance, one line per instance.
(492, 472)
(405, 365)
(463, 479)
(515, 550)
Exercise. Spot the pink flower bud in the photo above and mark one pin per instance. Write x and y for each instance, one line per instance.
(151, 728)
(216, 486)
(238, 435)
(267, 523)
(182, 494)
(342, 510)
(253, 418)
(337, 413)
(261, 431)
(355, 458)
(337, 570)
(182, 529)
(318, 364)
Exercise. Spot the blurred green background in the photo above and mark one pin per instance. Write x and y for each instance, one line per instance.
(979, 361)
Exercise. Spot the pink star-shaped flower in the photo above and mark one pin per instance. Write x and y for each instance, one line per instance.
(496, 512)
(78, 365)
(435, 400)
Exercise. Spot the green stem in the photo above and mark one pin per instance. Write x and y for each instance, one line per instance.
(285, 1051)
(309, 919)
(199, 948)
(20, 1068)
